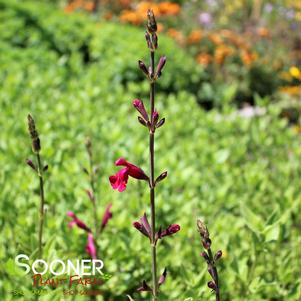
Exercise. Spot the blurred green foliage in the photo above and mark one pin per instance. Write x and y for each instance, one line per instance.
(78, 78)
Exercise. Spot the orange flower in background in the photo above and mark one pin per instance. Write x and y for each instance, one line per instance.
(108, 16)
(125, 3)
(248, 57)
(160, 27)
(204, 59)
(88, 6)
(293, 90)
(169, 8)
(233, 38)
(285, 76)
(176, 34)
(139, 13)
(221, 53)
(195, 37)
(131, 17)
(215, 38)
(144, 6)
(263, 32)
(79, 4)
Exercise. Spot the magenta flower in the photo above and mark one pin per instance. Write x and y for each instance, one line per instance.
(77, 222)
(90, 248)
(120, 179)
(106, 216)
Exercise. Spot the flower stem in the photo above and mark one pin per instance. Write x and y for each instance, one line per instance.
(215, 275)
(42, 203)
(92, 184)
(152, 180)
(91, 172)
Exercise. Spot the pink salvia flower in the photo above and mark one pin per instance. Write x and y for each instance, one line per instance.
(77, 222)
(139, 106)
(90, 248)
(106, 216)
(120, 179)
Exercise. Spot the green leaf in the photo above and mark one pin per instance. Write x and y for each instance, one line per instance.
(252, 220)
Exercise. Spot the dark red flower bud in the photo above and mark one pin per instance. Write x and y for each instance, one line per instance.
(155, 117)
(211, 285)
(148, 40)
(211, 271)
(162, 277)
(143, 68)
(170, 230)
(77, 222)
(144, 287)
(106, 216)
(218, 255)
(146, 224)
(151, 21)
(31, 164)
(160, 66)
(139, 106)
(206, 243)
(155, 41)
(36, 143)
(141, 229)
(161, 177)
(205, 256)
(202, 229)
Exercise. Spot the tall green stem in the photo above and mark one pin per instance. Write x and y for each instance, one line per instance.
(152, 181)
(42, 203)
(92, 184)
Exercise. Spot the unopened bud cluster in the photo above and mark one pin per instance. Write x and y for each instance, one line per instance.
(208, 256)
(36, 144)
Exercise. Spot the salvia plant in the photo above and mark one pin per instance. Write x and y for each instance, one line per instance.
(151, 121)
(98, 226)
(39, 170)
(210, 259)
